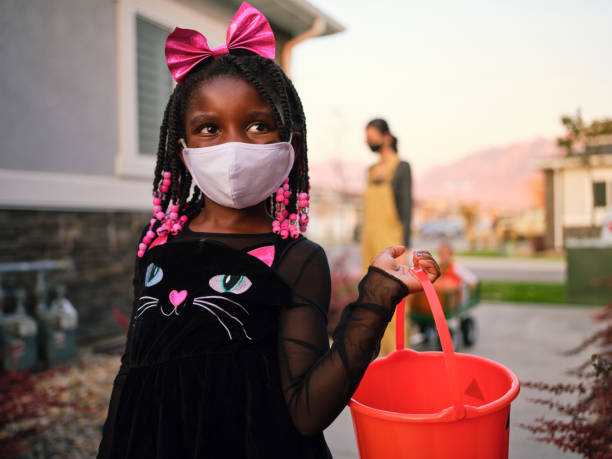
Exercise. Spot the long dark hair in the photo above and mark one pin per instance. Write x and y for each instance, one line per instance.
(382, 126)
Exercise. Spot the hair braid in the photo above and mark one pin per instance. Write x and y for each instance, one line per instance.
(274, 87)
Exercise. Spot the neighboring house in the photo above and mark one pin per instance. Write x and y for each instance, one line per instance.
(337, 200)
(335, 216)
(578, 193)
(84, 85)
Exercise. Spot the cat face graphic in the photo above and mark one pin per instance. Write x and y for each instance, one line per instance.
(171, 302)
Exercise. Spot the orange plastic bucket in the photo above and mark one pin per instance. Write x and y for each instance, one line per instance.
(433, 404)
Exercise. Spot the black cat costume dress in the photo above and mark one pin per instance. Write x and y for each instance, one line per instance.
(227, 353)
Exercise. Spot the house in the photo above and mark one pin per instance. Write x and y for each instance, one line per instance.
(335, 216)
(578, 192)
(84, 88)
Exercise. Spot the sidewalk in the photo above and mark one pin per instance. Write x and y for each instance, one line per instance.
(516, 269)
(527, 339)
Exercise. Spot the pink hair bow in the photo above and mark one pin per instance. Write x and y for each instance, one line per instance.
(249, 29)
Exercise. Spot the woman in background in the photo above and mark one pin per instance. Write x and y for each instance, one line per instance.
(387, 206)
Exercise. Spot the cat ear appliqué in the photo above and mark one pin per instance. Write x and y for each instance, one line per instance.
(265, 254)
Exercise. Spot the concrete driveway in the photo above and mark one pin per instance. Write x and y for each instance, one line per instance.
(529, 340)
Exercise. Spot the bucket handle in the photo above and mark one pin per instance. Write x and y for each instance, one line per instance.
(450, 361)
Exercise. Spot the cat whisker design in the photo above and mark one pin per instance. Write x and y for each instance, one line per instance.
(148, 298)
(218, 297)
(222, 308)
(218, 318)
(203, 304)
(150, 306)
(146, 304)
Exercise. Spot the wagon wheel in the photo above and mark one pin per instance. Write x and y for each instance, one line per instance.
(456, 338)
(469, 331)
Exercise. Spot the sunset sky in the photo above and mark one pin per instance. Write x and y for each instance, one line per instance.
(452, 77)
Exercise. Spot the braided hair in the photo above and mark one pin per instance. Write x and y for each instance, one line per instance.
(171, 174)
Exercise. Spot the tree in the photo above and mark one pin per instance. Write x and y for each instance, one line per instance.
(574, 133)
(577, 133)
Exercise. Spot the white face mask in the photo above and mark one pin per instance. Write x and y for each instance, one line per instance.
(237, 174)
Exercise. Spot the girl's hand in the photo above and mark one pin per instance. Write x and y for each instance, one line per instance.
(386, 261)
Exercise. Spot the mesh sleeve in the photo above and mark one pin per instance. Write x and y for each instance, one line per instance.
(318, 381)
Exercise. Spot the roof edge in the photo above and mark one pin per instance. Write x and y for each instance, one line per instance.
(280, 12)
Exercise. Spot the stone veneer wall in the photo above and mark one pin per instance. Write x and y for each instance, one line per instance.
(102, 246)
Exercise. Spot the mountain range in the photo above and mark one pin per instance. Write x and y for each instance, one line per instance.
(507, 177)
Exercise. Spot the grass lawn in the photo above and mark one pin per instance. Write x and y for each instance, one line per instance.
(480, 253)
(493, 253)
(523, 292)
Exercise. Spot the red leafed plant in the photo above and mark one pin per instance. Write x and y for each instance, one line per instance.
(586, 425)
(24, 404)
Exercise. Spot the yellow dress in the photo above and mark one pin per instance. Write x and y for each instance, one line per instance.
(381, 229)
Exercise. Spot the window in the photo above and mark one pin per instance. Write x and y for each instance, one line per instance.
(599, 194)
(144, 82)
(154, 83)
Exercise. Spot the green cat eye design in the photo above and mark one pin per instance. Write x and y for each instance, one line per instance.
(153, 275)
(227, 283)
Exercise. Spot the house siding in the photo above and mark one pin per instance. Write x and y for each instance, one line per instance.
(59, 81)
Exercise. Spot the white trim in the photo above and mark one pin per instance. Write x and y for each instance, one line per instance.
(129, 161)
(577, 220)
(59, 191)
(601, 174)
(576, 161)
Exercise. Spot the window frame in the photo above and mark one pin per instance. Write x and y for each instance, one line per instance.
(605, 194)
(129, 162)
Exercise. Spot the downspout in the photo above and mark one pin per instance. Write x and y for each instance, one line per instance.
(318, 27)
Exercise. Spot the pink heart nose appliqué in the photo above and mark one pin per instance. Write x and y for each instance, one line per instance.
(176, 297)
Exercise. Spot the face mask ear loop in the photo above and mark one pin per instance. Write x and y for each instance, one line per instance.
(182, 142)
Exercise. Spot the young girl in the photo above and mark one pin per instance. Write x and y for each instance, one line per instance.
(227, 353)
